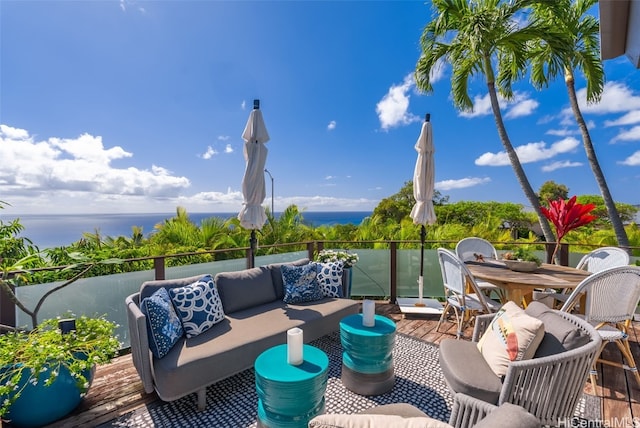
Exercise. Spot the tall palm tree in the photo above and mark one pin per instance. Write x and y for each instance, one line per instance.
(473, 36)
(581, 31)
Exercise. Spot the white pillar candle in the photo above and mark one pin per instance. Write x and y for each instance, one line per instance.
(294, 346)
(368, 313)
(420, 288)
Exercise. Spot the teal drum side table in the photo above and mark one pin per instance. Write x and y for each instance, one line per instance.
(367, 358)
(290, 396)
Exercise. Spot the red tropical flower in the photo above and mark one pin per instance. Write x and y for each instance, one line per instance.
(567, 216)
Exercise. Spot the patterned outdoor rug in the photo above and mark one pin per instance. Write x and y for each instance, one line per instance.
(232, 402)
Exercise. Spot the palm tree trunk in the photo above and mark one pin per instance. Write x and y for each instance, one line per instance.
(513, 157)
(614, 217)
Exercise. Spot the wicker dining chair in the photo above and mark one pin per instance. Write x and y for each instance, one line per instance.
(457, 280)
(477, 250)
(595, 261)
(611, 298)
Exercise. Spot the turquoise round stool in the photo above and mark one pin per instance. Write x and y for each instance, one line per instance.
(290, 396)
(367, 358)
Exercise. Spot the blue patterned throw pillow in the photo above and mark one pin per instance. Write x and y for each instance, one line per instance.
(163, 325)
(198, 305)
(330, 278)
(300, 283)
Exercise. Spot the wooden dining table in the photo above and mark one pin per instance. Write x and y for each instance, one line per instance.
(519, 286)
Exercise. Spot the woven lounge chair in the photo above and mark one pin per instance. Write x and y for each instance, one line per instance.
(611, 298)
(547, 385)
(595, 261)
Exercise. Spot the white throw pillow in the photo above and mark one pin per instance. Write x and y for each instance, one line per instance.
(330, 278)
(512, 335)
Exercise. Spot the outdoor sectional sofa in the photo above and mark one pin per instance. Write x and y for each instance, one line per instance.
(255, 319)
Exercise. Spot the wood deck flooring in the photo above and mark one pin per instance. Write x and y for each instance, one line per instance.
(117, 390)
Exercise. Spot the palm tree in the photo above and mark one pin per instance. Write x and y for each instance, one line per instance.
(581, 31)
(472, 36)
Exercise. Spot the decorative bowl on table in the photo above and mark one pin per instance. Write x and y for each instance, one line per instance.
(521, 265)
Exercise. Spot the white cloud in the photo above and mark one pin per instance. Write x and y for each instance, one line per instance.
(332, 125)
(632, 134)
(228, 148)
(521, 108)
(520, 105)
(209, 153)
(528, 153)
(628, 119)
(633, 160)
(77, 167)
(559, 165)
(616, 97)
(461, 183)
(223, 137)
(393, 109)
(564, 132)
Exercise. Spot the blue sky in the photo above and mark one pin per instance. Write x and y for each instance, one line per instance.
(126, 107)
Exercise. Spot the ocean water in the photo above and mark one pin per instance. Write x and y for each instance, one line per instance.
(49, 230)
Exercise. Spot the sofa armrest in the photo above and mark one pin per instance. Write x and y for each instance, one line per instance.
(140, 352)
(467, 410)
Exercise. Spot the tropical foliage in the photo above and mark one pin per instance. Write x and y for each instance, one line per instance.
(576, 49)
(567, 216)
(489, 39)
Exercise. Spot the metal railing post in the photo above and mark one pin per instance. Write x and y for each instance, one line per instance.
(393, 263)
(158, 266)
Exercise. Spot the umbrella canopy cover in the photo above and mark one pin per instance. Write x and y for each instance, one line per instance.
(423, 178)
(252, 215)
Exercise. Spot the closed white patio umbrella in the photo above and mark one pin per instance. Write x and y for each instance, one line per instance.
(422, 212)
(252, 215)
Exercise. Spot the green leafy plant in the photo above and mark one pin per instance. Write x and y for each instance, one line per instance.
(347, 258)
(522, 254)
(39, 355)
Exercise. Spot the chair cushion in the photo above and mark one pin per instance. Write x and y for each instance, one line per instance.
(509, 415)
(512, 335)
(163, 324)
(373, 421)
(198, 305)
(560, 335)
(466, 370)
(301, 284)
(329, 276)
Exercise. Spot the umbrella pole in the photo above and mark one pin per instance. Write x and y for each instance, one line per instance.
(252, 243)
(423, 235)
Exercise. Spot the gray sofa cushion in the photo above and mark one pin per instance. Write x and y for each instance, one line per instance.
(245, 289)
(232, 345)
(276, 275)
(404, 410)
(509, 415)
(149, 287)
(466, 370)
(560, 334)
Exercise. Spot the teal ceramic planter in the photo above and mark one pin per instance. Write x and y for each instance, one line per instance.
(40, 405)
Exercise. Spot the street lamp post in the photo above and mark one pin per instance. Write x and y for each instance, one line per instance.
(271, 177)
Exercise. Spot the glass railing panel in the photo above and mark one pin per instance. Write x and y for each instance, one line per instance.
(409, 272)
(371, 275)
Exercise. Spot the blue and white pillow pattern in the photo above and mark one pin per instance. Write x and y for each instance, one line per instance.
(163, 325)
(300, 283)
(329, 277)
(198, 305)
